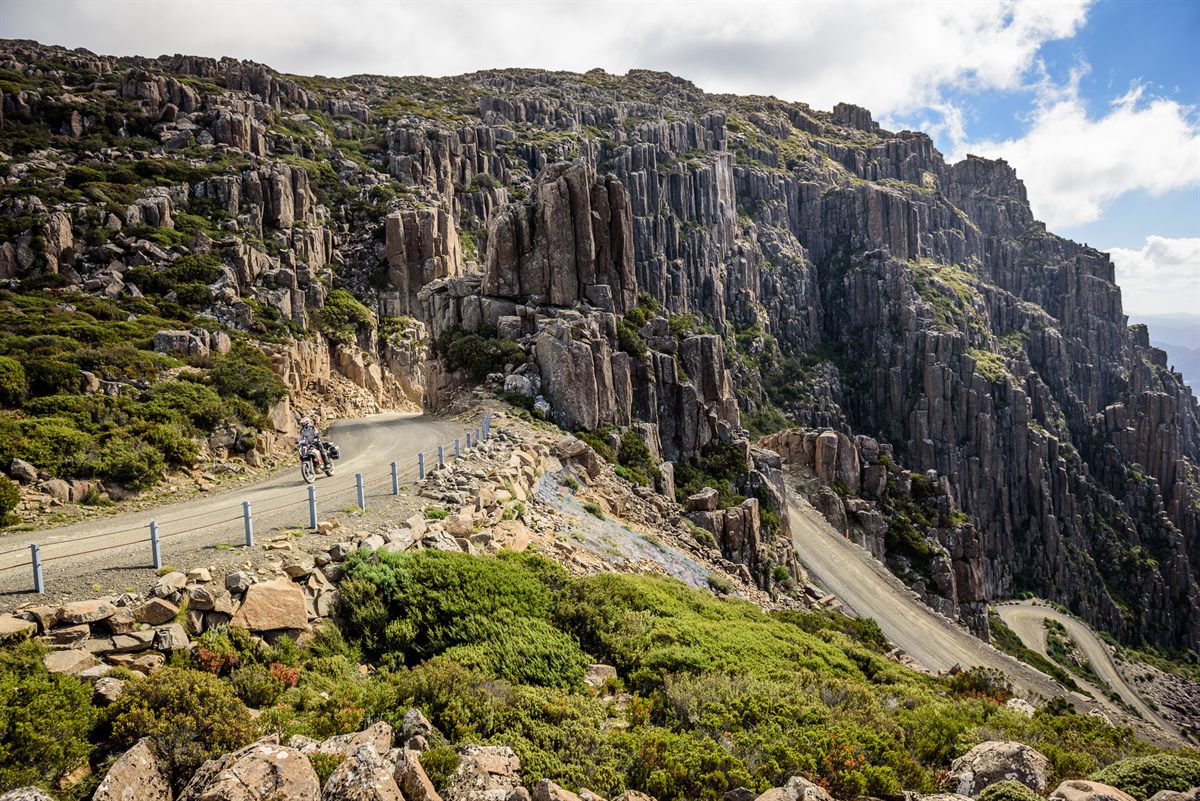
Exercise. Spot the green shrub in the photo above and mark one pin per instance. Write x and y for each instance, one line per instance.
(246, 373)
(50, 376)
(343, 317)
(594, 509)
(1008, 791)
(189, 715)
(175, 446)
(256, 685)
(629, 340)
(718, 466)
(132, 464)
(10, 496)
(439, 764)
(435, 513)
(1143, 776)
(44, 719)
(487, 613)
(12, 382)
(634, 455)
(325, 764)
(476, 353)
(50, 443)
(780, 574)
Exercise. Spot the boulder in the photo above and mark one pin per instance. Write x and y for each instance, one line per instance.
(262, 771)
(484, 773)
(703, 501)
(22, 471)
(170, 638)
(71, 662)
(107, 690)
(411, 777)
(634, 795)
(272, 605)
(796, 789)
(377, 735)
(1080, 790)
(1021, 705)
(238, 582)
(597, 675)
(1177, 795)
(415, 724)
(137, 775)
(996, 761)
(546, 790)
(86, 611)
(155, 612)
(26, 794)
(363, 776)
(13, 626)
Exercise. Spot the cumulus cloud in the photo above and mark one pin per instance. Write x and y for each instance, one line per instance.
(1163, 277)
(890, 57)
(1075, 164)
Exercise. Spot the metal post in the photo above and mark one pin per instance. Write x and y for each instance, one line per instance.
(312, 507)
(468, 440)
(477, 434)
(155, 553)
(362, 496)
(457, 449)
(249, 524)
(487, 424)
(35, 556)
(421, 466)
(441, 456)
(395, 479)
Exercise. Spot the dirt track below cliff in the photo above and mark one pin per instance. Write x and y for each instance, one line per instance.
(192, 530)
(1027, 619)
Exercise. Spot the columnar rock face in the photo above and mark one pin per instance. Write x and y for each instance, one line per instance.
(571, 241)
(422, 247)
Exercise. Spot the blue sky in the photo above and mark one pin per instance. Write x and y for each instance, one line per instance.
(1094, 102)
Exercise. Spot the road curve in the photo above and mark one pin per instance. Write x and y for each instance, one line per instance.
(1026, 618)
(368, 446)
(868, 589)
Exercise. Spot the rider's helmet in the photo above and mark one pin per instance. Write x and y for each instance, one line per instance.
(305, 421)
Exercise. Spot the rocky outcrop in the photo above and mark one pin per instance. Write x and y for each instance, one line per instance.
(263, 771)
(1080, 790)
(483, 773)
(422, 247)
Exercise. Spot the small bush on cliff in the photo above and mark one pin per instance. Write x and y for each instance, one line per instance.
(1144, 776)
(479, 354)
(343, 317)
(245, 373)
(10, 496)
(718, 466)
(12, 382)
(190, 716)
(44, 720)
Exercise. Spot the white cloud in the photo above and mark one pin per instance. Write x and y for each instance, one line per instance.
(1075, 164)
(890, 57)
(1161, 278)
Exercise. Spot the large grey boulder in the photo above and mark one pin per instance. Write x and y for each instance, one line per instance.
(796, 789)
(262, 771)
(137, 775)
(1080, 790)
(484, 773)
(364, 776)
(996, 761)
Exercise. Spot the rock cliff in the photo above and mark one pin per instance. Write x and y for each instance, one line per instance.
(697, 265)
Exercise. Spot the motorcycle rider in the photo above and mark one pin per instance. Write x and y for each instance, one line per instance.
(310, 436)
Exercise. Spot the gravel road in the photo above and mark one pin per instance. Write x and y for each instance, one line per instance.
(868, 589)
(1026, 618)
(77, 556)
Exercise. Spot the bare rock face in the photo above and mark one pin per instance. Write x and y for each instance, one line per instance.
(546, 790)
(571, 241)
(484, 773)
(137, 775)
(363, 776)
(272, 606)
(422, 247)
(996, 761)
(411, 777)
(262, 771)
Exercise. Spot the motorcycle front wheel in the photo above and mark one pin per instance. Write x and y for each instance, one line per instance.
(307, 471)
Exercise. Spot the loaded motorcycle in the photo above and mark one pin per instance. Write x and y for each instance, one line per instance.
(316, 456)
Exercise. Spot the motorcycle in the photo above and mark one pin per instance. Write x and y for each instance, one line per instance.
(317, 456)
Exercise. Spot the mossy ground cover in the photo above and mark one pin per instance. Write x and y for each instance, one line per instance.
(712, 694)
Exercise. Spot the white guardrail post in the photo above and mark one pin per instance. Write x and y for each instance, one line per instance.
(155, 552)
(249, 520)
(312, 507)
(35, 556)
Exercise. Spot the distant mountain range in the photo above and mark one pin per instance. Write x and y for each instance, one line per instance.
(1179, 336)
